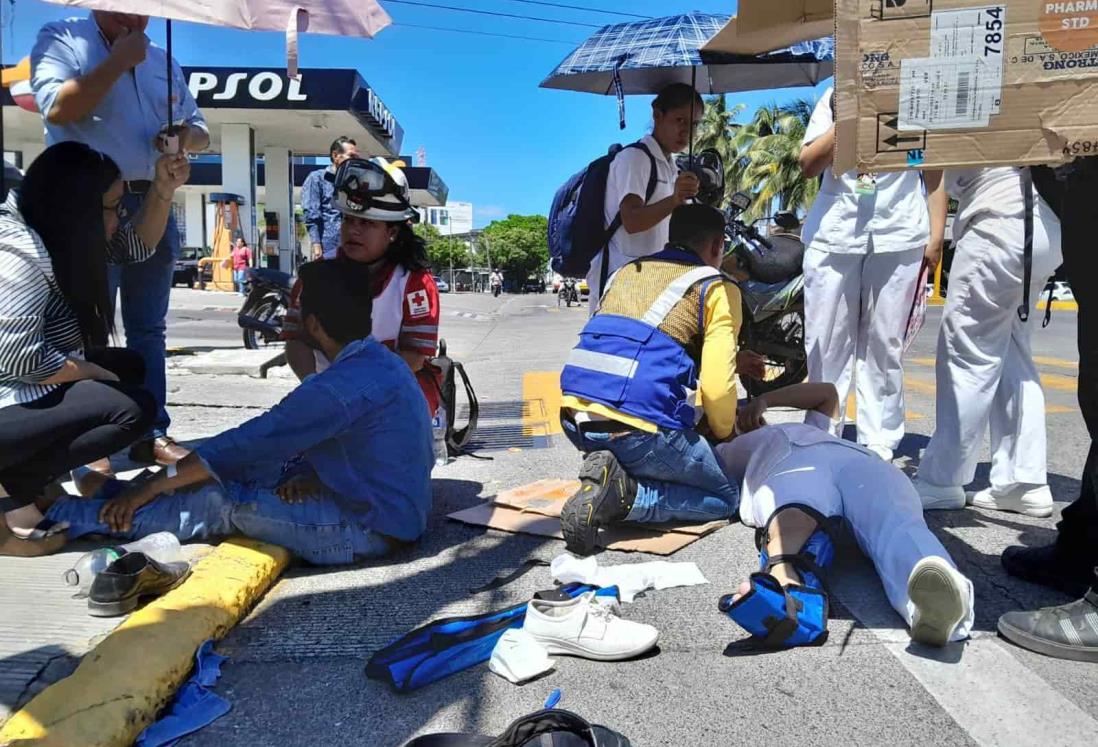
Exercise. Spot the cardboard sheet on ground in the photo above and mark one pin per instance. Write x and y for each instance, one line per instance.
(535, 509)
(964, 83)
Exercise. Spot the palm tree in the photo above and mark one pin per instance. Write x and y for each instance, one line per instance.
(717, 131)
(770, 166)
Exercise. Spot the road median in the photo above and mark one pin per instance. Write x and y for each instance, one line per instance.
(124, 682)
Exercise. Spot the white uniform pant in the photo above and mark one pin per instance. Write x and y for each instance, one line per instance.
(878, 502)
(856, 310)
(985, 370)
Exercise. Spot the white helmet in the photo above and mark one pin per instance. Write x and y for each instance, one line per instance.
(374, 190)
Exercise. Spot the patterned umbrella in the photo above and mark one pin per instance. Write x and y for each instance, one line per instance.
(644, 56)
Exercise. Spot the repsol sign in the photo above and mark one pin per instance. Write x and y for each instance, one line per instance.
(315, 90)
(379, 114)
(263, 86)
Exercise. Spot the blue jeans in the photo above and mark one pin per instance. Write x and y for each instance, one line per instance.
(677, 473)
(145, 289)
(238, 281)
(318, 531)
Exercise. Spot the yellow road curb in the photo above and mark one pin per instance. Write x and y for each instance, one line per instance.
(1056, 305)
(124, 682)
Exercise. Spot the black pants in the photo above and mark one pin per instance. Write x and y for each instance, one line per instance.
(1078, 528)
(75, 424)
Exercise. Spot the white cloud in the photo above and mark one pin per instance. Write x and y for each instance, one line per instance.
(491, 212)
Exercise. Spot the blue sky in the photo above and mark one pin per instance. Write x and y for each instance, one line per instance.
(473, 102)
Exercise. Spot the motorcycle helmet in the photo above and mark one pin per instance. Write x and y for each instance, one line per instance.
(372, 189)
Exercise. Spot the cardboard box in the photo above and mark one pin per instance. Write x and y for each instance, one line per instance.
(956, 83)
(535, 509)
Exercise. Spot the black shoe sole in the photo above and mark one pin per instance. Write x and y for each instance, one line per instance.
(1056, 650)
(1073, 587)
(127, 605)
(578, 518)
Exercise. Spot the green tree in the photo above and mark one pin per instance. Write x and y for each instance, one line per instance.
(442, 251)
(769, 167)
(519, 245)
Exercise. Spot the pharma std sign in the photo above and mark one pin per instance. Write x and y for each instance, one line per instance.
(313, 90)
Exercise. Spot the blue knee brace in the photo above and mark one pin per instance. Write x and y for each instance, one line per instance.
(787, 616)
(780, 617)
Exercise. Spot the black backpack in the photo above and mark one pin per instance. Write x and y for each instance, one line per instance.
(456, 439)
(548, 728)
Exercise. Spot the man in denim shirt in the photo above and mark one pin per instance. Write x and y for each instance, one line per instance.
(322, 218)
(337, 471)
(98, 80)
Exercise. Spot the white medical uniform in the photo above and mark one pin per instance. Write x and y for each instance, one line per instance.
(798, 463)
(629, 174)
(985, 370)
(862, 263)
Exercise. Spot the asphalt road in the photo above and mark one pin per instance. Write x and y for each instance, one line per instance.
(296, 671)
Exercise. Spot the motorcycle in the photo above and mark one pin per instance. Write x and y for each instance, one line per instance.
(568, 293)
(768, 271)
(264, 310)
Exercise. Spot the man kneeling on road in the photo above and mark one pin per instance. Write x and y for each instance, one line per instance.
(337, 471)
(667, 324)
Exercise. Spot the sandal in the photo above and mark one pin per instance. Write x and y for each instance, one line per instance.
(12, 545)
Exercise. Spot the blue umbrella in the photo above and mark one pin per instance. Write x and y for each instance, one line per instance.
(644, 56)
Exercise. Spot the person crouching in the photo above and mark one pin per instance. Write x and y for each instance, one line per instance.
(666, 328)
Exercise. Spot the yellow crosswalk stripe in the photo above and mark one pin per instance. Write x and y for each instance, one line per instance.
(1041, 360)
(541, 403)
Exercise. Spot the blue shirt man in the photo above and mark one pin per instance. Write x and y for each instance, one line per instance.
(322, 219)
(99, 81)
(336, 471)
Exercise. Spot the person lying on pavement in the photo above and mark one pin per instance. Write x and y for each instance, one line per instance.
(799, 483)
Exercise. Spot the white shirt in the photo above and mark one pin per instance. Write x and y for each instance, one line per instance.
(989, 192)
(752, 458)
(842, 221)
(629, 174)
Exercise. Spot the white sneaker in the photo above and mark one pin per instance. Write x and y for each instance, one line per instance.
(883, 452)
(940, 497)
(1023, 498)
(940, 596)
(582, 627)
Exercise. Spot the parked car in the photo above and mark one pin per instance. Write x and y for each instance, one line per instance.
(442, 285)
(186, 267)
(584, 288)
(534, 285)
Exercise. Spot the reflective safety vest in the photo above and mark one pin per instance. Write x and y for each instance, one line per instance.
(636, 364)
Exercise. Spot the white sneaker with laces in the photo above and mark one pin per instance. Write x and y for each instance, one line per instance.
(1022, 498)
(582, 627)
(940, 497)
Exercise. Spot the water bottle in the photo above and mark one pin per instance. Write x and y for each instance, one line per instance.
(162, 547)
(438, 435)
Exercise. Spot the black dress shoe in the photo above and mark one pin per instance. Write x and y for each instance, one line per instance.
(119, 588)
(1049, 566)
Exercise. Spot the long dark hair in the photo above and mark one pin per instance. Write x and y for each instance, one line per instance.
(61, 198)
(408, 249)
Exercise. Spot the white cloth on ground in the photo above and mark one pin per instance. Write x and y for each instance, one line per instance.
(837, 478)
(631, 579)
(518, 657)
(984, 369)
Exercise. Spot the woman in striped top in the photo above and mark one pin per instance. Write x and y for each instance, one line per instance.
(65, 398)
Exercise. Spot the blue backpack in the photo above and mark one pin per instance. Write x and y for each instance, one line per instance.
(577, 227)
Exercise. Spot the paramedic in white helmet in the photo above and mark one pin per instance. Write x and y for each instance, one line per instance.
(377, 230)
(867, 238)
